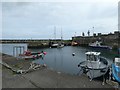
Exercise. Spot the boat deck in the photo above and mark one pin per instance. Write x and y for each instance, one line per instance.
(85, 64)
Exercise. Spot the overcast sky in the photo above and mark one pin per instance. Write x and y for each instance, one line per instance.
(36, 20)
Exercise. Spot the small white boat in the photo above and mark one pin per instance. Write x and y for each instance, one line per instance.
(98, 45)
(95, 66)
(55, 45)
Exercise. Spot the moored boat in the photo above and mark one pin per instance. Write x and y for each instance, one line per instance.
(32, 55)
(60, 45)
(95, 66)
(55, 45)
(98, 45)
(74, 43)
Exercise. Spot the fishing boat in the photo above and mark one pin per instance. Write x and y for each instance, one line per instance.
(98, 45)
(94, 66)
(116, 69)
(32, 55)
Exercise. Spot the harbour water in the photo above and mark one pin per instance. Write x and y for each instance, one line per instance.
(61, 59)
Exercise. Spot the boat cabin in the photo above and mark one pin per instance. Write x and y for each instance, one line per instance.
(95, 43)
(117, 62)
(93, 59)
(92, 56)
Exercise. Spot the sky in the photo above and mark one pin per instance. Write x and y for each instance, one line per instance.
(37, 20)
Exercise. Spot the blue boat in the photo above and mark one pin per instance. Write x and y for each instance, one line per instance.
(98, 45)
(116, 69)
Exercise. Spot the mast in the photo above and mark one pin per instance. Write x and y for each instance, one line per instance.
(55, 32)
(61, 34)
(93, 30)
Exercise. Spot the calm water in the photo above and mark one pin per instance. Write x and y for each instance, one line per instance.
(61, 59)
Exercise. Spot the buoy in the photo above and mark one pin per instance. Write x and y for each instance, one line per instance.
(33, 57)
(73, 54)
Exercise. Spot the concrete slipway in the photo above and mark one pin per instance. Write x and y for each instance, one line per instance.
(44, 78)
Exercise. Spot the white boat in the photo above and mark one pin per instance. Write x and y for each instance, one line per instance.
(60, 45)
(95, 66)
(55, 45)
(98, 45)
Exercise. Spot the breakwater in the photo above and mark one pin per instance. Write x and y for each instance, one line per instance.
(36, 43)
(111, 39)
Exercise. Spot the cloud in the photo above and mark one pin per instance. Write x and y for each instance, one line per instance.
(32, 19)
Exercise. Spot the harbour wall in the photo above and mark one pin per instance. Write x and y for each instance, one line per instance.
(37, 43)
(111, 39)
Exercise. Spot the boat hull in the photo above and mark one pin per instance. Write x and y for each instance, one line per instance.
(95, 71)
(101, 47)
(60, 46)
(54, 45)
(34, 56)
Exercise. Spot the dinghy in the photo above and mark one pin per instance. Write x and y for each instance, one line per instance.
(32, 55)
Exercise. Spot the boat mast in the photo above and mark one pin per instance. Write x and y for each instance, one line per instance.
(93, 29)
(61, 34)
(55, 33)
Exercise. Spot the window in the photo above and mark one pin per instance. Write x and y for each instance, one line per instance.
(117, 63)
(92, 57)
(88, 57)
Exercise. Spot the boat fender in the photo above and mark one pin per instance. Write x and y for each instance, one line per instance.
(24, 52)
(44, 53)
(73, 54)
(33, 57)
(39, 52)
